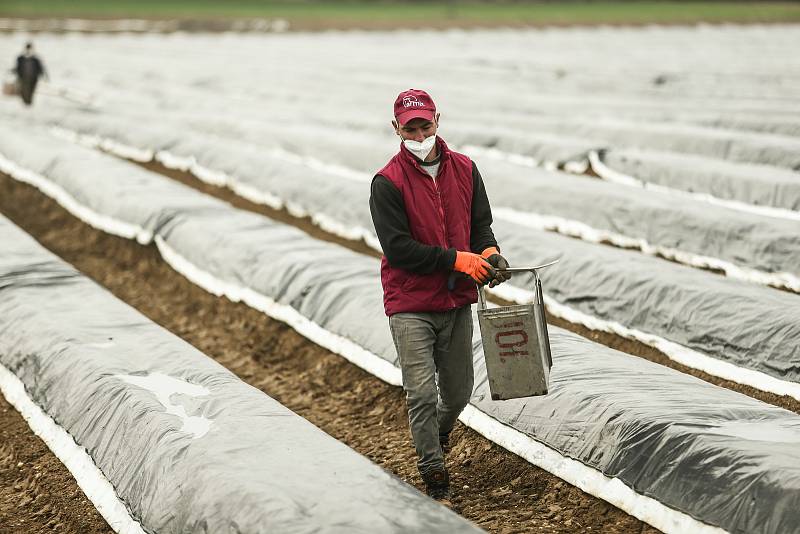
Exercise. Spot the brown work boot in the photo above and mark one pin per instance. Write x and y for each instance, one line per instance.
(437, 483)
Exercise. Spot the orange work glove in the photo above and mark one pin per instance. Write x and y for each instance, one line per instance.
(474, 266)
(492, 255)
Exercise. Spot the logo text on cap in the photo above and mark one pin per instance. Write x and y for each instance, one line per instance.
(411, 101)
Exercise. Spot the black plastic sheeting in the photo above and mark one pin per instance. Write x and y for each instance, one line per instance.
(259, 467)
(760, 185)
(719, 456)
(751, 326)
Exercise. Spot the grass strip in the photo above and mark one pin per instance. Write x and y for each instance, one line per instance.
(434, 13)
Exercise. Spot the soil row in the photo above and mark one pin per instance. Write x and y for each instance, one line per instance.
(493, 487)
(278, 24)
(37, 493)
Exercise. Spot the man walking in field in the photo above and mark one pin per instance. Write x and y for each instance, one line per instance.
(28, 70)
(433, 220)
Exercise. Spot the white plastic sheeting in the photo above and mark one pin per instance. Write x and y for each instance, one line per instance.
(734, 98)
(614, 413)
(746, 246)
(747, 147)
(186, 445)
(615, 212)
(731, 108)
(90, 479)
(747, 326)
(607, 173)
(760, 185)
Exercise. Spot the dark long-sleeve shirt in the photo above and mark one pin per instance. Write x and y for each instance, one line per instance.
(400, 248)
(29, 68)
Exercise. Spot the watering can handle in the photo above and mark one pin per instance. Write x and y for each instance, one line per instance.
(527, 269)
(482, 296)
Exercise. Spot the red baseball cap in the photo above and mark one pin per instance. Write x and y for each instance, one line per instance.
(414, 104)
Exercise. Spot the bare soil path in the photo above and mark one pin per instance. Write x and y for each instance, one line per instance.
(37, 493)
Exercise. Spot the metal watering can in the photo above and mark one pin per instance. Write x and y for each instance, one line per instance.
(515, 343)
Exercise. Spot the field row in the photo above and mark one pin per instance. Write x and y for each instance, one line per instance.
(330, 295)
(666, 184)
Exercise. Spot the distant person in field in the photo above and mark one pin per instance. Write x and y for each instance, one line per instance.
(433, 219)
(29, 69)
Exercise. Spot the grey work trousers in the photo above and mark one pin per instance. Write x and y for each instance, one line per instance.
(434, 348)
(26, 89)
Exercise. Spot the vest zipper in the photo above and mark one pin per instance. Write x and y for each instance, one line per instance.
(444, 229)
(441, 210)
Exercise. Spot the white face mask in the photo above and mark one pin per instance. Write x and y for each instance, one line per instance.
(421, 150)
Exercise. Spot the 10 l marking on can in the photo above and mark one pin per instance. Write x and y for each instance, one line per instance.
(523, 339)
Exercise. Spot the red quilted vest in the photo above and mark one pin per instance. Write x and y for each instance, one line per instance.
(439, 213)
